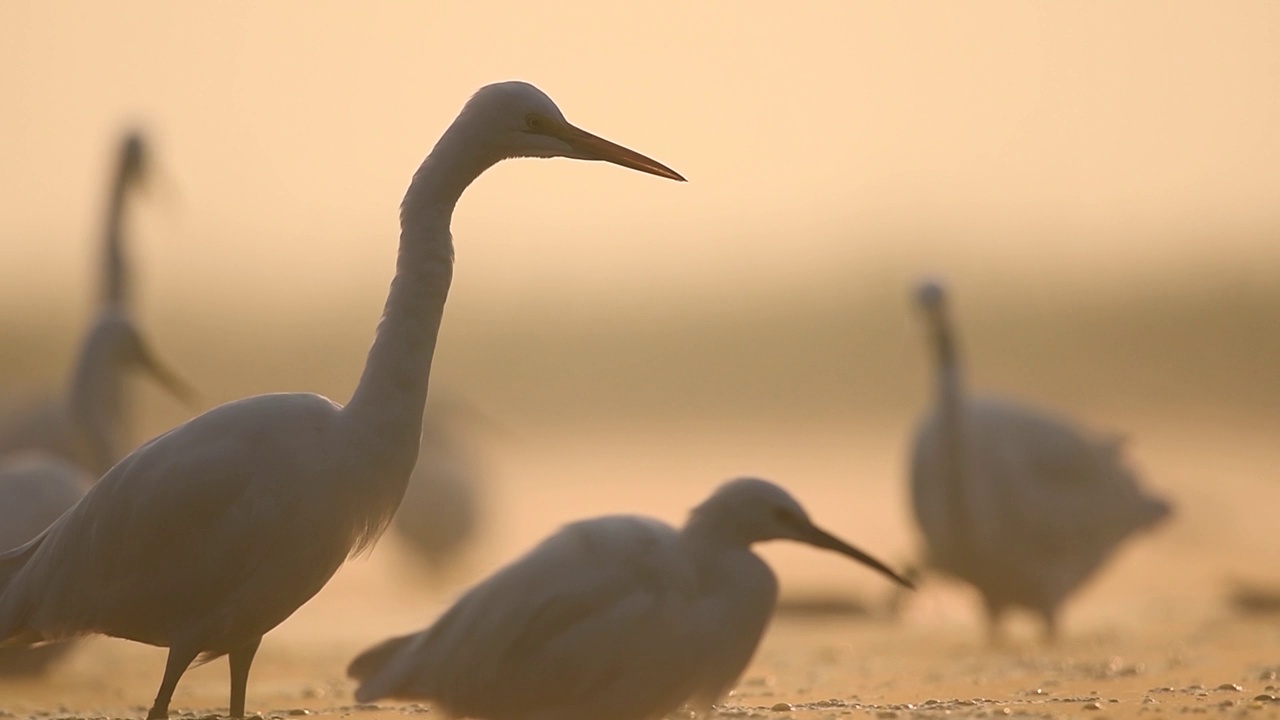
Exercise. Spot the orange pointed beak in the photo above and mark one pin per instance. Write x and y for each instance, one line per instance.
(593, 147)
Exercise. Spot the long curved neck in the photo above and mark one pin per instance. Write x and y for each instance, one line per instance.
(115, 289)
(951, 417)
(386, 408)
(95, 403)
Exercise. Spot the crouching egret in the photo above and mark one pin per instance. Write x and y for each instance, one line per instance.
(213, 533)
(618, 617)
(1020, 503)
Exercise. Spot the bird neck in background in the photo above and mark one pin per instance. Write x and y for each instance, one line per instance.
(946, 352)
(94, 401)
(114, 282)
(948, 372)
(953, 434)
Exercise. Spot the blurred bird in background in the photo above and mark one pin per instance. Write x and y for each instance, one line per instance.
(1021, 503)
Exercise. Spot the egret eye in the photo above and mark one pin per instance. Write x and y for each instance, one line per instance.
(783, 516)
(534, 122)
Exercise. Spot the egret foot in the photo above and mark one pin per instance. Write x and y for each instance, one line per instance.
(179, 660)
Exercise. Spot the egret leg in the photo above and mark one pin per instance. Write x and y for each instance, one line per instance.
(1050, 627)
(995, 612)
(240, 660)
(179, 660)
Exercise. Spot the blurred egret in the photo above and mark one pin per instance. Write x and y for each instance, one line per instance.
(35, 489)
(441, 507)
(619, 617)
(86, 427)
(210, 535)
(1018, 502)
(91, 425)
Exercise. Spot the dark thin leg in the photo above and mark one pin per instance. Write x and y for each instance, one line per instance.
(1050, 627)
(995, 612)
(179, 660)
(240, 659)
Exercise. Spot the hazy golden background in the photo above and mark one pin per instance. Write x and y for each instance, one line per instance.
(1100, 183)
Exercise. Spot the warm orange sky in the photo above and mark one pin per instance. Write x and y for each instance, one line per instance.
(1090, 134)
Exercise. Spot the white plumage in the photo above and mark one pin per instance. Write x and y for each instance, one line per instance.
(1019, 502)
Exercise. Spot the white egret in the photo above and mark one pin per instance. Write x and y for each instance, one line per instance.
(1020, 503)
(35, 489)
(207, 537)
(620, 617)
(91, 426)
(86, 427)
(441, 507)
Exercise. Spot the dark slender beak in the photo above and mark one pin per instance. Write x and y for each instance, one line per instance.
(169, 380)
(818, 537)
(597, 148)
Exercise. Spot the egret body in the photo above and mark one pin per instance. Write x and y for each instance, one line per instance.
(619, 617)
(1018, 502)
(441, 507)
(208, 536)
(35, 489)
(86, 427)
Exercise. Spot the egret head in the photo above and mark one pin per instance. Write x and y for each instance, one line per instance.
(134, 158)
(931, 298)
(750, 510)
(931, 295)
(516, 119)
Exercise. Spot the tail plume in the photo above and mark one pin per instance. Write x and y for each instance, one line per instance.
(373, 669)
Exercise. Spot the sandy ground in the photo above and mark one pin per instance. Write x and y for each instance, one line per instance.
(1152, 636)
